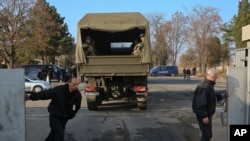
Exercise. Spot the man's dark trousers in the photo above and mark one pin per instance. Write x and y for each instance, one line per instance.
(57, 126)
(206, 129)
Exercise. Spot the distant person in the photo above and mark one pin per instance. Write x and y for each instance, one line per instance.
(188, 73)
(194, 70)
(88, 47)
(44, 72)
(70, 73)
(65, 103)
(50, 73)
(184, 71)
(204, 103)
(40, 74)
(74, 72)
(63, 75)
(137, 51)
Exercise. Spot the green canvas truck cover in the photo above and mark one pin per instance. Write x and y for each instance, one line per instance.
(113, 22)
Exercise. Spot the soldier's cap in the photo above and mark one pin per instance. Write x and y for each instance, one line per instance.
(142, 35)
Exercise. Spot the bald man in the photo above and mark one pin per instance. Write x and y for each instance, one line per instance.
(204, 103)
(65, 103)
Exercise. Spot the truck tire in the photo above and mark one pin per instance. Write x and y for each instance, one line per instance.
(142, 105)
(99, 100)
(92, 105)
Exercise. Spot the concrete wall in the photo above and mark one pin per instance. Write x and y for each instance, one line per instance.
(12, 105)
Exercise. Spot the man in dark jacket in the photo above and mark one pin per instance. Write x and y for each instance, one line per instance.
(184, 73)
(204, 103)
(188, 73)
(50, 73)
(40, 74)
(65, 103)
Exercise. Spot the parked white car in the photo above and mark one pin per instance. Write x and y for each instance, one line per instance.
(34, 85)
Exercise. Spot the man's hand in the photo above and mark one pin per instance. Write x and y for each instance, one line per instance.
(224, 95)
(205, 120)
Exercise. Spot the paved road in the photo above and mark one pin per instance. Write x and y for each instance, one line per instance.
(168, 118)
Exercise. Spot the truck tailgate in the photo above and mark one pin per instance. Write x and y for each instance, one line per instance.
(113, 66)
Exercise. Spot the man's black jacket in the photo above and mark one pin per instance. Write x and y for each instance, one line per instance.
(204, 99)
(63, 103)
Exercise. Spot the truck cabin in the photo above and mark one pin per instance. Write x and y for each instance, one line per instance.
(112, 43)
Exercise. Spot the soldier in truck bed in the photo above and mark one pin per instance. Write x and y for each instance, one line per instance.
(88, 47)
(138, 47)
(135, 42)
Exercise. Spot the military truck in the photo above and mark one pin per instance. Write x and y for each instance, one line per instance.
(113, 73)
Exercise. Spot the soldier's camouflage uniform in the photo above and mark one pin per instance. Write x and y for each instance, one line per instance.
(138, 49)
(88, 49)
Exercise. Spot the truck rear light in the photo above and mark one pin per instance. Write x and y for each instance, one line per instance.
(140, 88)
(90, 89)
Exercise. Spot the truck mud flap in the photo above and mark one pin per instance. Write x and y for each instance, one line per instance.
(91, 102)
(142, 102)
(142, 105)
(91, 98)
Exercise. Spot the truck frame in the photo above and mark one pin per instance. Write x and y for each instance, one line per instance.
(113, 73)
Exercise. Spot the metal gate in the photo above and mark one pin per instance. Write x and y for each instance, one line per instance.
(238, 88)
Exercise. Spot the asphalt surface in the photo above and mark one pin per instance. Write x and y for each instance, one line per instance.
(169, 117)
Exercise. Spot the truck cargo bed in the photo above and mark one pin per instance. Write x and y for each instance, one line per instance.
(113, 66)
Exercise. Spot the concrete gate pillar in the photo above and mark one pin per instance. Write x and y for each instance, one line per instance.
(12, 105)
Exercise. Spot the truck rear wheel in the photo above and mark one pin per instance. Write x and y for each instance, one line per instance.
(142, 105)
(92, 105)
(99, 99)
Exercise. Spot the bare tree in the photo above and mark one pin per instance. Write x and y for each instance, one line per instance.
(175, 35)
(188, 59)
(205, 23)
(159, 53)
(13, 16)
(156, 20)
